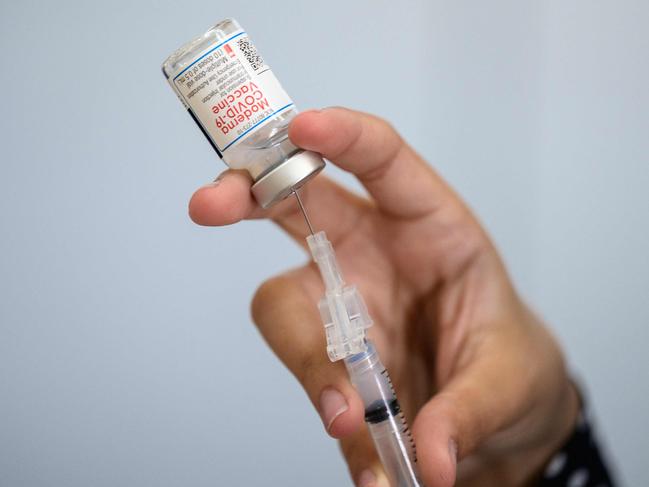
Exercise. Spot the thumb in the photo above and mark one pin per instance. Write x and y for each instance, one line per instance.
(435, 431)
(479, 401)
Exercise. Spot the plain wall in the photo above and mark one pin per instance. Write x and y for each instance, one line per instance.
(127, 355)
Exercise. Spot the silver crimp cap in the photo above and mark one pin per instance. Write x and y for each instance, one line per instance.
(280, 181)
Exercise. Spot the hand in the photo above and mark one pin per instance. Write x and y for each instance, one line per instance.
(481, 376)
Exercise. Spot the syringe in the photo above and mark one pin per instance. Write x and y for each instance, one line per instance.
(384, 418)
(346, 318)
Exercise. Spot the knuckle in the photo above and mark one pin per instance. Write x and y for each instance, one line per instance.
(385, 124)
(308, 370)
(265, 298)
(347, 447)
(386, 128)
(358, 451)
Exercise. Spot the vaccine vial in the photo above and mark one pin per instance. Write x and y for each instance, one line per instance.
(240, 106)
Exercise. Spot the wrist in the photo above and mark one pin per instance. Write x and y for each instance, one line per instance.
(560, 430)
(524, 465)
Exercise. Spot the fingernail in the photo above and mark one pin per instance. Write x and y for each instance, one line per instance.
(332, 405)
(367, 479)
(382, 480)
(452, 450)
(214, 183)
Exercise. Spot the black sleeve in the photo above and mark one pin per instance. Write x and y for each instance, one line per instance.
(579, 463)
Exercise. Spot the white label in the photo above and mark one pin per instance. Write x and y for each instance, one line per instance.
(231, 91)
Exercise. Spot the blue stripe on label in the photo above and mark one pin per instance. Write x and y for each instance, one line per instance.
(208, 52)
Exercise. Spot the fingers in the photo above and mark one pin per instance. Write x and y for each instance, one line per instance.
(228, 200)
(401, 183)
(284, 310)
(362, 460)
(399, 180)
(225, 201)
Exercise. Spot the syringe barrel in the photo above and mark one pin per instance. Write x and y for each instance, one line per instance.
(384, 418)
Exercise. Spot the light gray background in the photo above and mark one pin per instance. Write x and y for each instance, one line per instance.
(127, 356)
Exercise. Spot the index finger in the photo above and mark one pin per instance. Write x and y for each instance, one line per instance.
(400, 181)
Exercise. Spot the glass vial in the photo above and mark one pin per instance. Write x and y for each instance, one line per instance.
(241, 108)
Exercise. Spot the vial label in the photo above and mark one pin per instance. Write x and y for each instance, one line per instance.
(230, 90)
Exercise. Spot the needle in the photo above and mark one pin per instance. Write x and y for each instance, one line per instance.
(299, 202)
